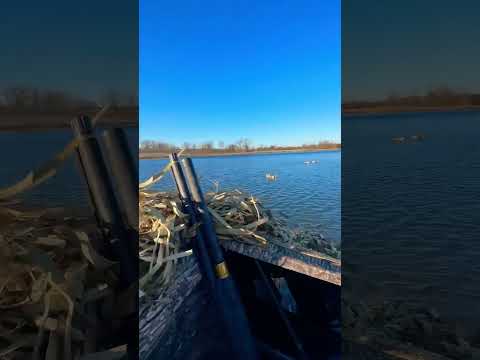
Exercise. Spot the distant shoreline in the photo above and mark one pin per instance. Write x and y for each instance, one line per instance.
(151, 156)
(390, 110)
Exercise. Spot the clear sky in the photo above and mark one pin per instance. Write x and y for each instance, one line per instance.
(86, 48)
(221, 70)
(408, 47)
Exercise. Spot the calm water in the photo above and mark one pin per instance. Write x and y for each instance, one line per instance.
(411, 212)
(308, 196)
(32, 149)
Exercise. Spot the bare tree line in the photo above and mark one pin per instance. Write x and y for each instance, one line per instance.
(241, 145)
(18, 98)
(440, 96)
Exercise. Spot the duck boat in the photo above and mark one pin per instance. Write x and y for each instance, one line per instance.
(289, 302)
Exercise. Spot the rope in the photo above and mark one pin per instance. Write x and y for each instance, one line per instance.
(48, 169)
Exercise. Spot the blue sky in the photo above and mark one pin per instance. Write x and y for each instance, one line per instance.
(221, 70)
(408, 47)
(87, 48)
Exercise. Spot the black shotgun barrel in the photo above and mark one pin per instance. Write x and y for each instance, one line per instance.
(198, 244)
(103, 199)
(228, 298)
(208, 227)
(124, 172)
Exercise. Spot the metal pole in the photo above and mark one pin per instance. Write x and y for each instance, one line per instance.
(291, 332)
(228, 298)
(124, 172)
(102, 196)
(198, 243)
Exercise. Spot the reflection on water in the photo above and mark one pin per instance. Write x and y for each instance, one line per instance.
(308, 195)
(21, 152)
(411, 212)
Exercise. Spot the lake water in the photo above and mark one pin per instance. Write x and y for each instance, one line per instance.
(31, 149)
(411, 212)
(308, 196)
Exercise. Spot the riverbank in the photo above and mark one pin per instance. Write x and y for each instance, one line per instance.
(161, 155)
(389, 110)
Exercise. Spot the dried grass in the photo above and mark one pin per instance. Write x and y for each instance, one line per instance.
(164, 234)
(50, 274)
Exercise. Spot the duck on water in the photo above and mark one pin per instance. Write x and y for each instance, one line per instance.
(408, 139)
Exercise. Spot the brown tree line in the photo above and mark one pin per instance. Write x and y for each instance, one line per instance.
(23, 98)
(441, 96)
(242, 145)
